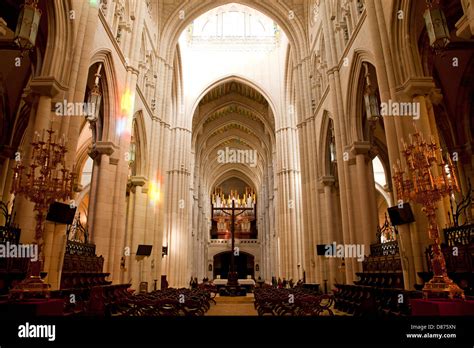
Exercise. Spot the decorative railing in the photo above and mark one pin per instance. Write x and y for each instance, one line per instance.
(80, 249)
(237, 241)
(248, 241)
(382, 249)
(460, 235)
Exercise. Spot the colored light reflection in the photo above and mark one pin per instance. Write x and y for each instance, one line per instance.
(121, 125)
(126, 104)
(125, 120)
(155, 191)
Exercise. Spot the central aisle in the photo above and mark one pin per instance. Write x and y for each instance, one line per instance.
(233, 306)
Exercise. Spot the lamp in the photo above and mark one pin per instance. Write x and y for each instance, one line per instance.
(370, 98)
(133, 151)
(27, 26)
(95, 99)
(436, 26)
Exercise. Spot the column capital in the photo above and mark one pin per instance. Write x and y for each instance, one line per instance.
(132, 69)
(327, 180)
(137, 180)
(415, 86)
(360, 148)
(47, 86)
(102, 148)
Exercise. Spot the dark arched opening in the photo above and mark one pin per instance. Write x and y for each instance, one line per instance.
(244, 264)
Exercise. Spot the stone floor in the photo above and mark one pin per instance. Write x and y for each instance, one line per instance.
(233, 306)
(240, 306)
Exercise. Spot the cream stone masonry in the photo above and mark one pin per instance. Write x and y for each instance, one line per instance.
(184, 81)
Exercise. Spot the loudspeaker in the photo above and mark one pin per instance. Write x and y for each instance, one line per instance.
(61, 213)
(321, 249)
(401, 216)
(144, 250)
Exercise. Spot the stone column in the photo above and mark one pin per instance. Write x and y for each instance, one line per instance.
(393, 127)
(367, 217)
(43, 89)
(328, 236)
(136, 234)
(177, 227)
(87, 18)
(289, 205)
(103, 202)
(337, 104)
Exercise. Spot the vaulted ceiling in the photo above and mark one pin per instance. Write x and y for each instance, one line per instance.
(233, 87)
(233, 115)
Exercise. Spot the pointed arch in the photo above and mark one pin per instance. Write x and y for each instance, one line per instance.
(278, 11)
(57, 59)
(353, 121)
(327, 126)
(110, 93)
(140, 140)
(239, 79)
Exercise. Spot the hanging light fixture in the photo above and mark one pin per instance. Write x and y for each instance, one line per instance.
(133, 152)
(94, 100)
(28, 25)
(95, 96)
(370, 98)
(436, 26)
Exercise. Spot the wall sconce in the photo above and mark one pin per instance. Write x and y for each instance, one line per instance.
(164, 251)
(436, 26)
(257, 268)
(27, 25)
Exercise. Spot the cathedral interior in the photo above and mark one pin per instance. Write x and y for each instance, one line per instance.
(236, 158)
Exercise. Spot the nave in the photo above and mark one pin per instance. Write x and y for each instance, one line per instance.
(271, 158)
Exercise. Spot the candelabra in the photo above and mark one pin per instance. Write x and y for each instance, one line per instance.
(426, 188)
(45, 181)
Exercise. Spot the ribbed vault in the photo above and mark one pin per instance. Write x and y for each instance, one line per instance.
(233, 115)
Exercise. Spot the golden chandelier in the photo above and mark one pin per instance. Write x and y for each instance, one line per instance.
(430, 178)
(45, 181)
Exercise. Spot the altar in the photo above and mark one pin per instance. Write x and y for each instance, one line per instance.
(245, 286)
(242, 282)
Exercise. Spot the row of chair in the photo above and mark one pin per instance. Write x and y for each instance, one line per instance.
(392, 280)
(92, 301)
(80, 280)
(292, 302)
(370, 301)
(382, 263)
(168, 302)
(80, 263)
